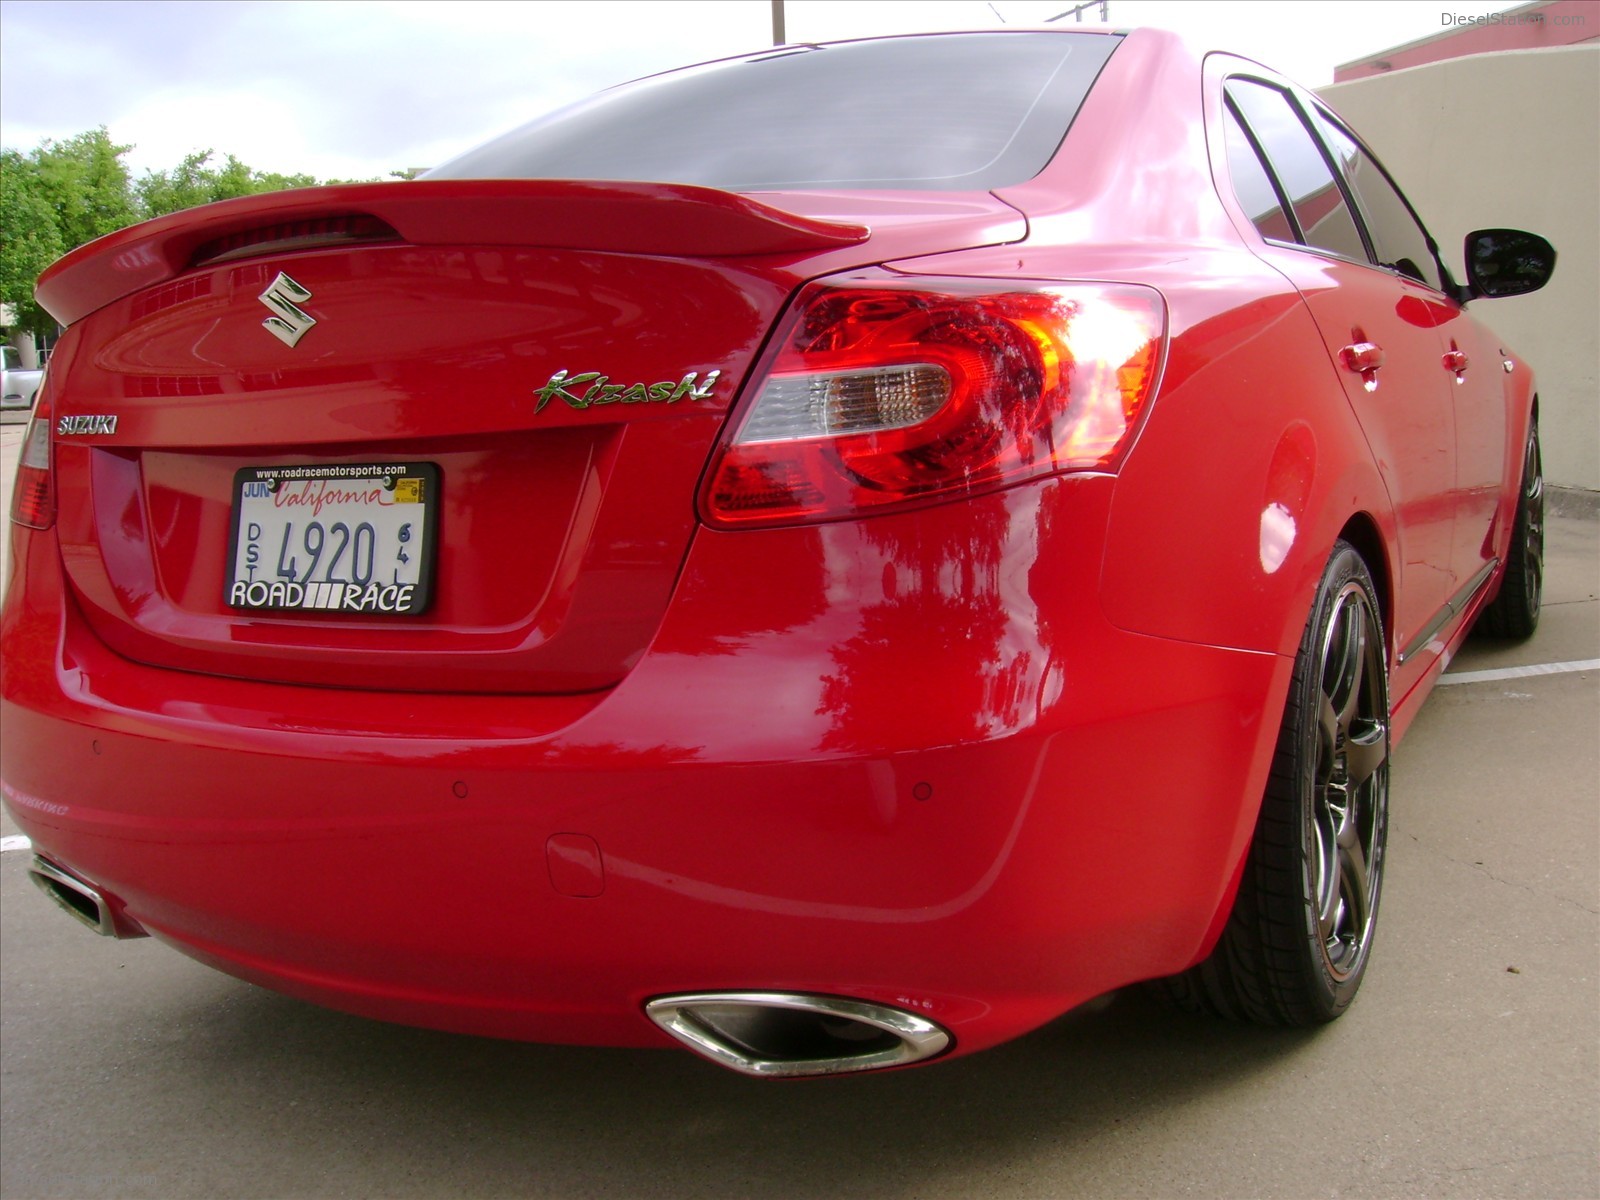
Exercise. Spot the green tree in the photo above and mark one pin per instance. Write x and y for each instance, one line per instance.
(195, 181)
(87, 183)
(272, 181)
(29, 238)
(62, 194)
(188, 184)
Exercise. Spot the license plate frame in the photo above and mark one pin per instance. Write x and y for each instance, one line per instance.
(373, 552)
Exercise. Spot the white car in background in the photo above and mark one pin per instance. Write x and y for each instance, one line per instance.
(21, 384)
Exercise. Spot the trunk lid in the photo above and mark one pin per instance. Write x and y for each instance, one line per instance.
(561, 356)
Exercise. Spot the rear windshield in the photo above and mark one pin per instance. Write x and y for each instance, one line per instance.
(941, 112)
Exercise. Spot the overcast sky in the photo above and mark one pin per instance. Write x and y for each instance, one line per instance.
(357, 89)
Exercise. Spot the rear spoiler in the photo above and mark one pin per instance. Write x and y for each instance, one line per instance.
(625, 218)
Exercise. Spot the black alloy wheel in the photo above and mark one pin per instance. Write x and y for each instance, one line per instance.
(1514, 613)
(1297, 943)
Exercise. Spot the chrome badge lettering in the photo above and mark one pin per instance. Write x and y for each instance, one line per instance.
(81, 426)
(284, 297)
(588, 389)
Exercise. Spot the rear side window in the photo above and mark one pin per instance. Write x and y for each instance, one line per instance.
(1398, 240)
(940, 112)
(1314, 194)
(1252, 185)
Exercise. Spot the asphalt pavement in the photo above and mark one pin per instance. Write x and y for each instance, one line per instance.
(1470, 1065)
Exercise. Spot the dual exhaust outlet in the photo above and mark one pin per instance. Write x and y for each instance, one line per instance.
(772, 1035)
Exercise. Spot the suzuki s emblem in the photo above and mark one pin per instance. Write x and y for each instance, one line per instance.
(284, 297)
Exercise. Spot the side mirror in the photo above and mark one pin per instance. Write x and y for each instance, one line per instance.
(1507, 262)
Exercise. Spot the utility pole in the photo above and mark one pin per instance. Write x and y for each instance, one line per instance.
(1077, 11)
(777, 23)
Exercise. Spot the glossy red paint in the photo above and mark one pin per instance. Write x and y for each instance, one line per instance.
(982, 759)
(630, 218)
(741, 841)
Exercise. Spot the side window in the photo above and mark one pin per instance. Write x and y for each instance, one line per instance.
(1251, 183)
(1295, 158)
(1399, 242)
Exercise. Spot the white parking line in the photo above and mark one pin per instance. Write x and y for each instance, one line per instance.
(14, 842)
(1561, 668)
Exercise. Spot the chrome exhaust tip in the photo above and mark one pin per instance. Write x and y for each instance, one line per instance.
(778, 1035)
(81, 900)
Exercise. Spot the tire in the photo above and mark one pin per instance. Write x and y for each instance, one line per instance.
(1296, 945)
(1514, 613)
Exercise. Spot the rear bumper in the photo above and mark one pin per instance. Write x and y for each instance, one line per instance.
(900, 769)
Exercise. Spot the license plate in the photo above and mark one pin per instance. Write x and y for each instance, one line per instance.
(337, 538)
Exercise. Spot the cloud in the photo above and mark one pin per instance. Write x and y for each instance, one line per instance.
(355, 90)
(331, 88)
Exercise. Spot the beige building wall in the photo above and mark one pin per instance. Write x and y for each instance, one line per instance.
(1510, 139)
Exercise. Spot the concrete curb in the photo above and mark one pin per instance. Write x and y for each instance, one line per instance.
(1572, 502)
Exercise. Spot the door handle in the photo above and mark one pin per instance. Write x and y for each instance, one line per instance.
(1364, 358)
(1456, 360)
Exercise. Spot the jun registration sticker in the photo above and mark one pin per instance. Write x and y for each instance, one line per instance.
(336, 538)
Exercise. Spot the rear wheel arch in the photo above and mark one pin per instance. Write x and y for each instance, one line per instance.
(1294, 946)
(1362, 532)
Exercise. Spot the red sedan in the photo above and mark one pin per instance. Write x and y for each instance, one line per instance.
(835, 557)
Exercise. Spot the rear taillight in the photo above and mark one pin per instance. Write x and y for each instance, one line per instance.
(33, 501)
(881, 393)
